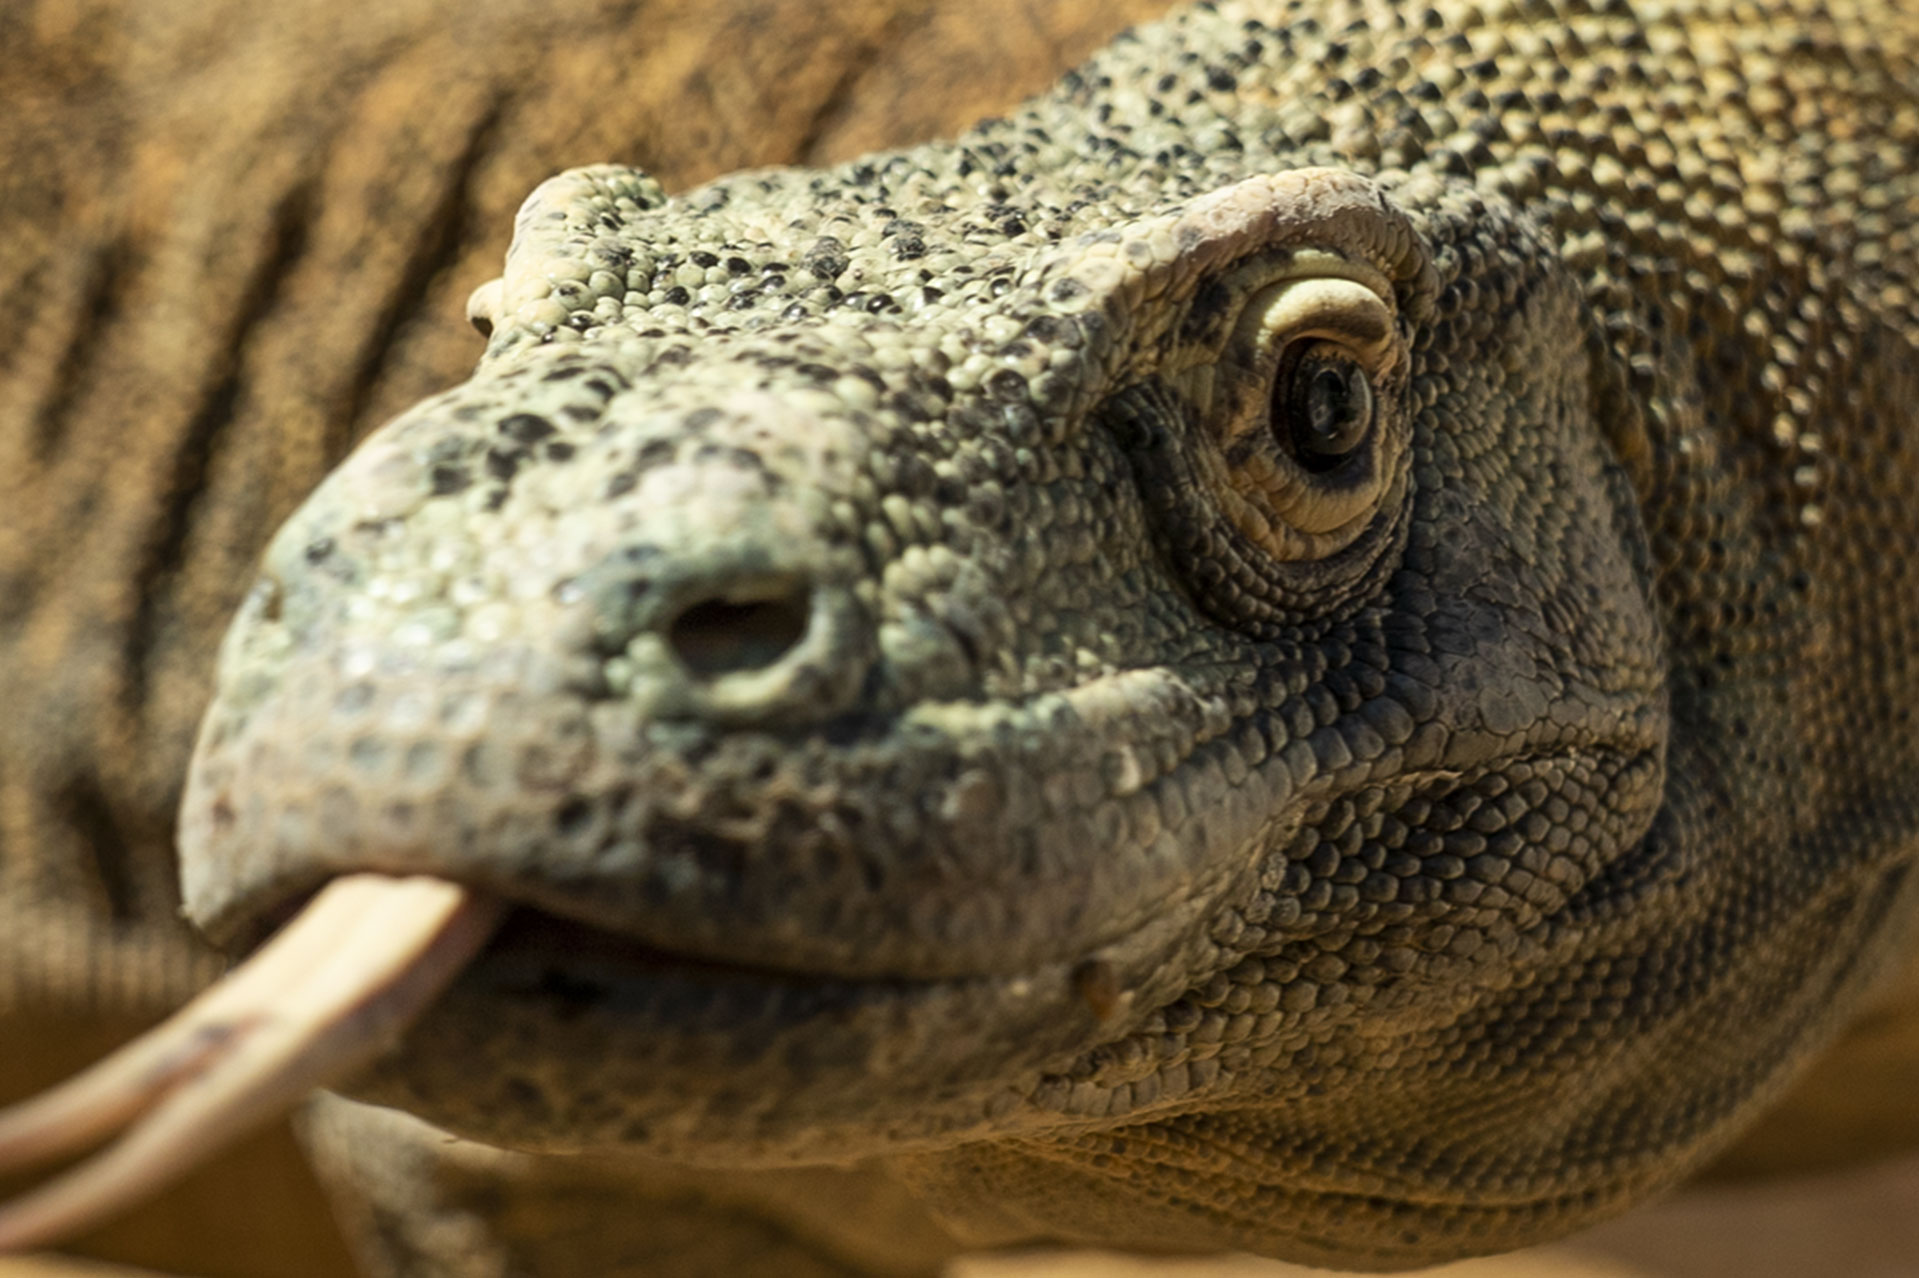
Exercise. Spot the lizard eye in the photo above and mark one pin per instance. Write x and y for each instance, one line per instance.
(1299, 405)
(1323, 409)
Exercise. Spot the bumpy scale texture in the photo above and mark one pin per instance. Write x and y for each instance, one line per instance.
(898, 631)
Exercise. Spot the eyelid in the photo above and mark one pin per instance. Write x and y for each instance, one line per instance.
(1317, 306)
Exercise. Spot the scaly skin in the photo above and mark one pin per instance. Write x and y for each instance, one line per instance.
(894, 629)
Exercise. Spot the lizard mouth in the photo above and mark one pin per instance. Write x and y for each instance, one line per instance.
(740, 1063)
(561, 1035)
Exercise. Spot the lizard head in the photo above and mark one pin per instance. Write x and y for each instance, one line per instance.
(949, 678)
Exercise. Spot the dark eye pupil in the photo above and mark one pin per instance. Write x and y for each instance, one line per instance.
(1330, 412)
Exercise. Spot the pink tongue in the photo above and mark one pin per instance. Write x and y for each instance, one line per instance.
(331, 991)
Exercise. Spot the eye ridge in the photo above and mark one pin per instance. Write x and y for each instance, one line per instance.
(1323, 409)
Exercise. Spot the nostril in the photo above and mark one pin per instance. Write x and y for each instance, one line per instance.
(728, 636)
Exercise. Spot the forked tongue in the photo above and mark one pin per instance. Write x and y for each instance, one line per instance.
(330, 992)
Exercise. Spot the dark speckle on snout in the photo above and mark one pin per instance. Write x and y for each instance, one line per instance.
(526, 428)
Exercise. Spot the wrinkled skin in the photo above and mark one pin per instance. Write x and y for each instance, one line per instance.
(896, 631)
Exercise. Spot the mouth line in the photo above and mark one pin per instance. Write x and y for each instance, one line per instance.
(533, 932)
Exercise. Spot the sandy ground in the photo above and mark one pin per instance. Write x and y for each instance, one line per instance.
(1862, 1224)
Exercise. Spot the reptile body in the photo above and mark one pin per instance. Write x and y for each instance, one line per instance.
(1299, 646)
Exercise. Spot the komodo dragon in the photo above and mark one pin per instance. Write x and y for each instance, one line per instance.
(1260, 654)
